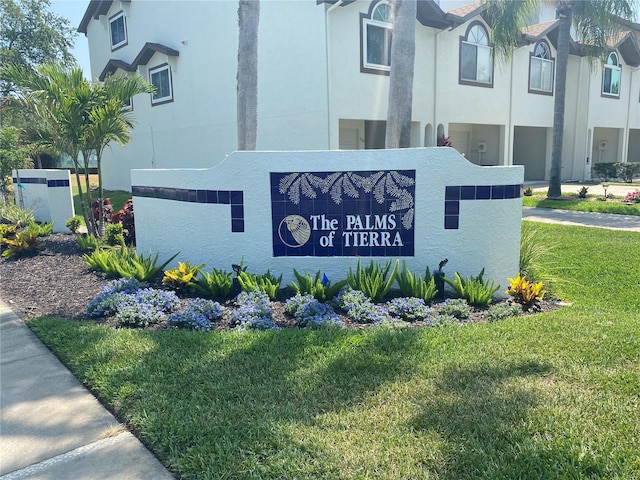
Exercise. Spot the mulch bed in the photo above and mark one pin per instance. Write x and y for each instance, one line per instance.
(57, 282)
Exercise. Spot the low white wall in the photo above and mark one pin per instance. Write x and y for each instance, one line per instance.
(322, 210)
(47, 193)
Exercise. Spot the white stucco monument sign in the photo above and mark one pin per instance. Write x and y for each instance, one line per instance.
(323, 210)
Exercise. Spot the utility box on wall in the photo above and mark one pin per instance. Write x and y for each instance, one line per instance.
(323, 210)
(47, 193)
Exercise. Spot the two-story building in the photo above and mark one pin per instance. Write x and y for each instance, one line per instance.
(324, 76)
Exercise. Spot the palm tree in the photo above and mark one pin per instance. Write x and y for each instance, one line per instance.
(247, 78)
(403, 47)
(110, 121)
(59, 97)
(594, 21)
(80, 117)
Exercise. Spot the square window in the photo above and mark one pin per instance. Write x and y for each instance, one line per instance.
(160, 77)
(118, 30)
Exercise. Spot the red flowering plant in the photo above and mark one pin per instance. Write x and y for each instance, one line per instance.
(632, 197)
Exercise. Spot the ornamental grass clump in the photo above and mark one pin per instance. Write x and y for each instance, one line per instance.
(374, 281)
(311, 313)
(199, 314)
(475, 290)
(360, 309)
(415, 285)
(320, 288)
(409, 309)
(254, 312)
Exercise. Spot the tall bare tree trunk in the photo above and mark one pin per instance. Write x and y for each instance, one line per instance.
(403, 48)
(247, 78)
(562, 61)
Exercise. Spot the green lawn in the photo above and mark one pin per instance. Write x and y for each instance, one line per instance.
(555, 395)
(572, 202)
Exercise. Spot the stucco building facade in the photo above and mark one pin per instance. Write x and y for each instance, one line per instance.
(323, 84)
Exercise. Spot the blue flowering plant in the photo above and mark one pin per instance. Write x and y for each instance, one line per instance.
(360, 309)
(254, 312)
(409, 309)
(198, 314)
(132, 304)
(311, 313)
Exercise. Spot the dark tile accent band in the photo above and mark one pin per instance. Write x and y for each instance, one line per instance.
(454, 194)
(43, 181)
(234, 198)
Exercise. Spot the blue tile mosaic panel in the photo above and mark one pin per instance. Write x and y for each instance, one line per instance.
(234, 198)
(455, 193)
(343, 214)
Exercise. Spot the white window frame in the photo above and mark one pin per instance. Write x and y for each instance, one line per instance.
(614, 67)
(541, 56)
(157, 70)
(125, 40)
(387, 27)
(481, 45)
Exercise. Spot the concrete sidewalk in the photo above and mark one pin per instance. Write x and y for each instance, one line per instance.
(51, 427)
(582, 219)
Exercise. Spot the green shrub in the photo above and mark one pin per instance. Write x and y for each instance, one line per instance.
(454, 307)
(414, 285)
(45, 229)
(217, 285)
(605, 171)
(475, 290)
(88, 242)
(73, 224)
(628, 171)
(320, 288)
(582, 193)
(114, 234)
(373, 281)
(502, 311)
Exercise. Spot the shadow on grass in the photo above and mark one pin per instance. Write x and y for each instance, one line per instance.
(482, 415)
(228, 405)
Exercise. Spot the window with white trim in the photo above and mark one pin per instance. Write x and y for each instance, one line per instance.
(476, 66)
(118, 30)
(541, 69)
(376, 41)
(160, 77)
(611, 76)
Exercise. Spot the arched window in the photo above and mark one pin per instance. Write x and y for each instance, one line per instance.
(376, 38)
(475, 56)
(541, 69)
(611, 76)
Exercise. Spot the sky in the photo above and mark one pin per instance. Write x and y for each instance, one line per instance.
(74, 11)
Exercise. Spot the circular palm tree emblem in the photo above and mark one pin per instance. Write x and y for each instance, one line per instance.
(297, 231)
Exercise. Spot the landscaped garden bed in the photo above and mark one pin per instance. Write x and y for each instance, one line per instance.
(56, 281)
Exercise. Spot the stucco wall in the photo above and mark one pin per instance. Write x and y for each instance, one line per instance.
(47, 193)
(233, 211)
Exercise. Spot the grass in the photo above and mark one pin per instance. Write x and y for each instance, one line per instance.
(591, 204)
(555, 395)
(118, 197)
